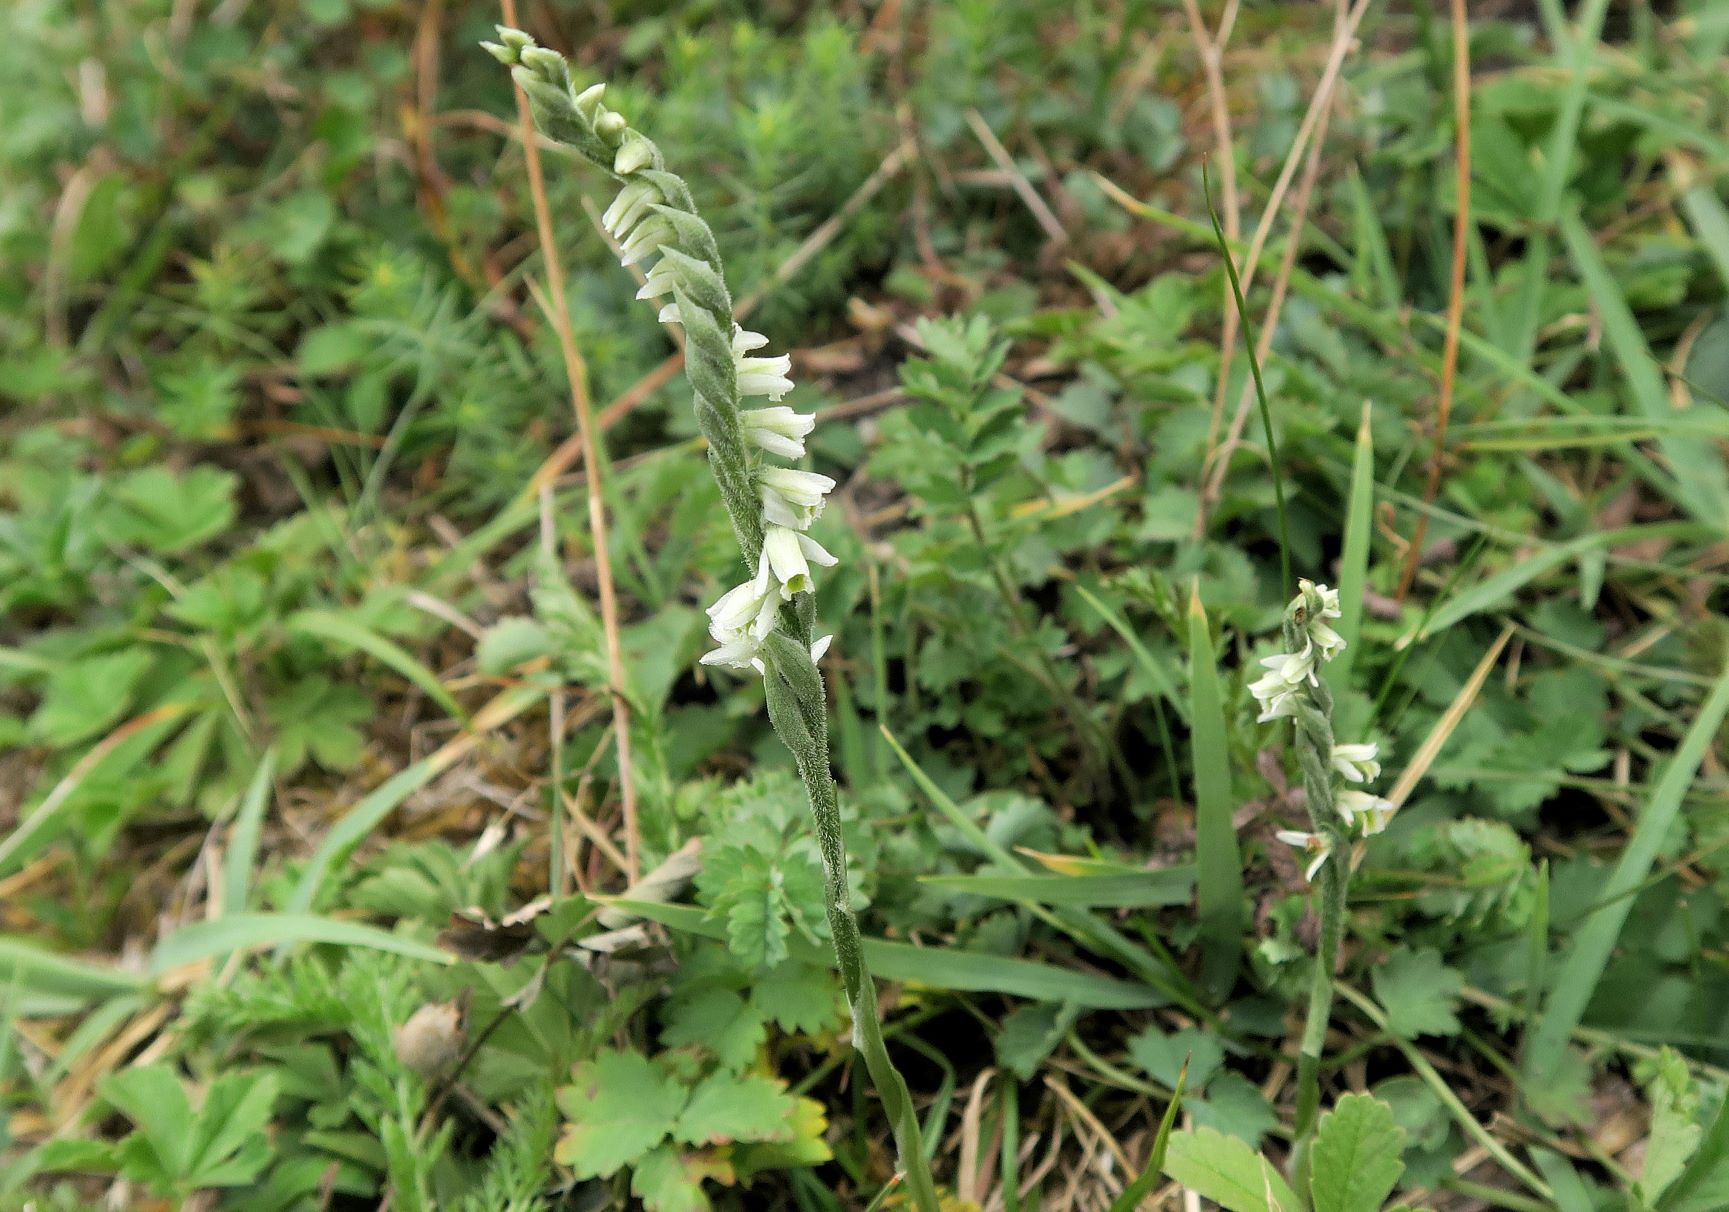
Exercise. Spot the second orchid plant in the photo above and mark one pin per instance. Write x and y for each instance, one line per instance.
(1293, 688)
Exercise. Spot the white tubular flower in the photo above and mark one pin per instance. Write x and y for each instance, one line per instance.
(645, 241)
(789, 555)
(778, 430)
(1317, 847)
(1276, 691)
(661, 279)
(780, 548)
(759, 376)
(1277, 698)
(742, 619)
(630, 206)
(1366, 812)
(669, 314)
(748, 607)
(1330, 608)
(792, 498)
(1356, 763)
(1328, 642)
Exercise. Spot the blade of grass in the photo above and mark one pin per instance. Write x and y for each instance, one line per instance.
(1586, 959)
(243, 838)
(1433, 743)
(366, 815)
(1157, 674)
(1011, 1146)
(1710, 222)
(948, 968)
(1158, 971)
(1354, 559)
(1135, 1192)
(1218, 862)
(1702, 482)
(1537, 953)
(1460, 1113)
(1495, 590)
(47, 982)
(1224, 248)
(338, 629)
(33, 832)
(246, 931)
(1571, 1193)
(1579, 47)
(1139, 890)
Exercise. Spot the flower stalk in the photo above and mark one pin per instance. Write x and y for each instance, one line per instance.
(1292, 688)
(767, 622)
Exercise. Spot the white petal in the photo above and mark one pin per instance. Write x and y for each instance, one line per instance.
(776, 444)
(778, 511)
(779, 419)
(660, 282)
(740, 654)
(799, 487)
(744, 340)
(1329, 642)
(760, 383)
(645, 241)
(819, 648)
(669, 315)
(815, 552)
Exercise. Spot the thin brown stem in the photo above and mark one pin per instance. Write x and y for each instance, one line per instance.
(1456, 291)
(1305, 150)
(576, 370)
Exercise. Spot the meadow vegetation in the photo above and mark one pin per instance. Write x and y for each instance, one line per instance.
(1253, 479)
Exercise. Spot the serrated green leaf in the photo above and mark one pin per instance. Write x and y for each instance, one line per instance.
(228, 1147)
(1164, 1055)
(726, 1108)
(152, 1097)
(169, 513)
(670, 1179)
(86, 697)
(1675, 1132)
(617, 1107)
(1355, 1162)
(1235, 1106)
(719, 1020)
(799, 997)
(1418, 992)
(1029, 1033)
(1228, 1172)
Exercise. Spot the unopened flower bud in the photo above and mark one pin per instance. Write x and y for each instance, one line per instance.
(431, 1040)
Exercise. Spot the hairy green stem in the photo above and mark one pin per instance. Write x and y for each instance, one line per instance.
(797, 706)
